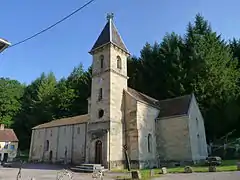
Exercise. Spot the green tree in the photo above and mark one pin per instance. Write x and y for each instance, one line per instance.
(37, 107)
(11, 92)
(80, 81)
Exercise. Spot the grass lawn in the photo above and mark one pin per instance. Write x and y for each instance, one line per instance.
(227, 165)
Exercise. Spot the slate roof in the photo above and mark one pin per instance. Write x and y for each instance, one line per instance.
(169, 107)
(109, 34)
(175, 106)
(143, 97)
(8, 135)
(64, 121)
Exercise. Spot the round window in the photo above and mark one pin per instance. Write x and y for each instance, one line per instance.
(100, 113)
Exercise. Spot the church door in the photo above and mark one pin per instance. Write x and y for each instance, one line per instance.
(98, 152)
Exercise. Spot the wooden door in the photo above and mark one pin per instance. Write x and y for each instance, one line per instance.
(98, 152)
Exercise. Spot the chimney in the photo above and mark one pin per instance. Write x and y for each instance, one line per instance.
(1, 126)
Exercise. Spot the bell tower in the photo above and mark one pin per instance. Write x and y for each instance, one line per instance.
(109, 79)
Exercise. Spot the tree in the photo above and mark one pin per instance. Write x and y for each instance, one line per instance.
(37, 107)
(11, 92)
(80, 81)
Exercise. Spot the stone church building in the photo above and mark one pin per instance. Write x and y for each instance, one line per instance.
(152, 131)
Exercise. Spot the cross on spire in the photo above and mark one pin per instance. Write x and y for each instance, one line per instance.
(110, 16)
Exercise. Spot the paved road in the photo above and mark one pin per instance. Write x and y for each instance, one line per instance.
(202, 176)
(49, 172)
(39, 174)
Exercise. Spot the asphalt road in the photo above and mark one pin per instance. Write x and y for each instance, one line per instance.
(49, 172)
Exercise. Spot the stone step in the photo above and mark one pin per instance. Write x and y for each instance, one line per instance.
(87, 168)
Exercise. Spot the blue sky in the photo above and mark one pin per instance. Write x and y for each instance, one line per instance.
(67, 45)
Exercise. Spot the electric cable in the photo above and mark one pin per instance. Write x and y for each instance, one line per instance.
(53, 25)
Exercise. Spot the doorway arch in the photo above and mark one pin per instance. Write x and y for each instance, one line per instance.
(50, 156)
(98, 152)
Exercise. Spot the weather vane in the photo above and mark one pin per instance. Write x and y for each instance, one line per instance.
(110, 16)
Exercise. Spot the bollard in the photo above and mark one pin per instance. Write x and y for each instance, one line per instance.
(164, 170)
(212, 169)
(238, 166)
(188, 169)
(151, 172)
(136, 175)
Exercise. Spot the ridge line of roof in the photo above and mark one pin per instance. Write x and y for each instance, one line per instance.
(177, 97)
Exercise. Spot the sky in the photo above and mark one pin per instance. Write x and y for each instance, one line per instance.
(67, 45)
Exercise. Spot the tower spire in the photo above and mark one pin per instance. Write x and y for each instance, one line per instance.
(108, 35)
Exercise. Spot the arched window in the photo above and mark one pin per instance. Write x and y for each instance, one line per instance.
(101, 61)
(47, 145)
(149, 143)
(119, 62)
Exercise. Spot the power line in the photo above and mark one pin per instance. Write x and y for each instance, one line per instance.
(50, 27)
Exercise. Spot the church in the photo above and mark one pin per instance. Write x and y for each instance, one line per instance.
(119, 118)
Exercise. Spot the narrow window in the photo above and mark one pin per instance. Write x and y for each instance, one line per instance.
(12, 147)
(197, 122)
(101, 61)
(149, 143)
(78, 130)
(51, 133)
(6, 146)
(100, 113)
(100, 94)
(119, 62)
(47, 145)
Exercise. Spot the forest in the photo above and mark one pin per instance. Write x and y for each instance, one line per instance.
(199, 62)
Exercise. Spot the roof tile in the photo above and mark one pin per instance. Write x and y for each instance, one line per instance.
(64, 121)
(8, 135)
(169, 107)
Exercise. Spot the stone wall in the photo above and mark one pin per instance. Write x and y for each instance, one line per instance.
(79, 143)
(37, 145)
(118, 82)
(173, 141)
(100, 79)
(197, 132)
(63, 140)
(51, 134)
(97, 131)
(146, 116)
(131, 130)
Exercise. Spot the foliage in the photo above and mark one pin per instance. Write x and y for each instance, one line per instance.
(11, 92)
(198, 62)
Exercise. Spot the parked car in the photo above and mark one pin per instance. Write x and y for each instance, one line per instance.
(214, 160)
